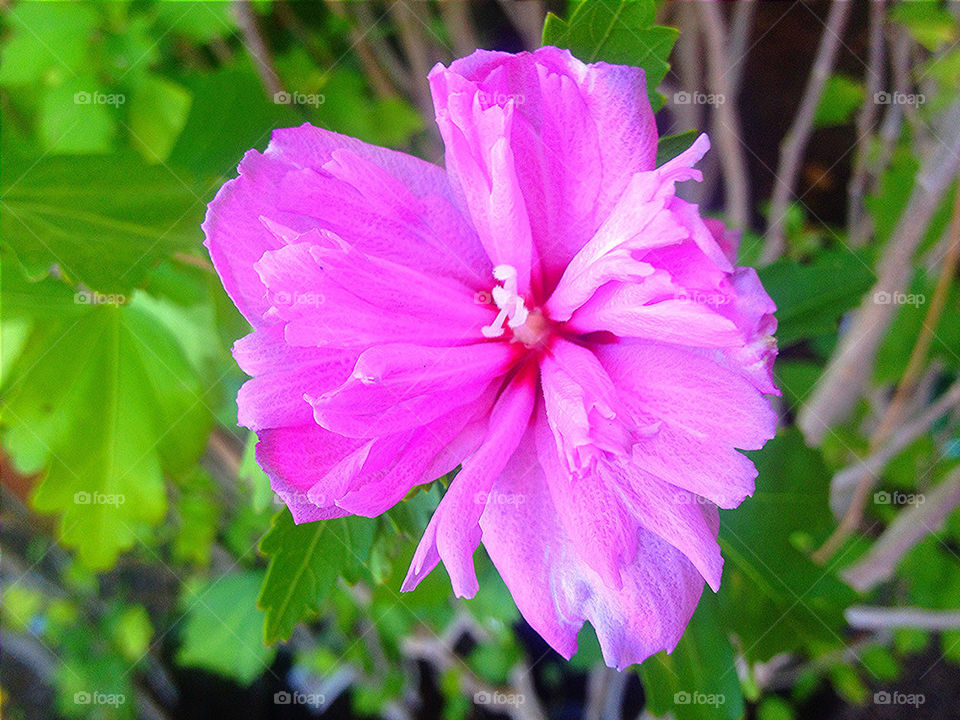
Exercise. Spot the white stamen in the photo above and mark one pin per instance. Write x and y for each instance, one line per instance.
(511, 305)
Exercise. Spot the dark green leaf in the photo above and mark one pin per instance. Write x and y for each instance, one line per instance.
(773, 595)
(621, 32)
(222, 630)
(305, 561)
(669, 146)
(698, 679)
(103, 220)
(811, 298)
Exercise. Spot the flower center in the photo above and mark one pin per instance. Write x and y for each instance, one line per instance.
(530, 327)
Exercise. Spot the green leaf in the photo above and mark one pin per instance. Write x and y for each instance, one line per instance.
(893, 191)
(102, 403)
(698, 679)
(46, 36)
(930, 25)
(669, 146)
(774, 597)
(213, 141)
(811, 298)
(621, 32)
(158, 112)
(222, 629)
(842, 95)
(103, 220)
(305, 562)
(78, 116)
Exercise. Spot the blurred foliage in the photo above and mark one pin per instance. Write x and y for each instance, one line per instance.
(134, 537)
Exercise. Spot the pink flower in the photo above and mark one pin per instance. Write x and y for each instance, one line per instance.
(545, 313)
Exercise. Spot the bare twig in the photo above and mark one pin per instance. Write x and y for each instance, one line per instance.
(905, 388)
(527, 17)
(741, 27)
(257, 46)
(907, 529)
(386, 57)
(874, 463)
(858, 230)
(863, 617)
(795, 141)
(918, 356)
(852, 362)
(727, 125)
(459, 23)
(380, 83)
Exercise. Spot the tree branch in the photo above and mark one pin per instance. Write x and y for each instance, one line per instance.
(795, 141)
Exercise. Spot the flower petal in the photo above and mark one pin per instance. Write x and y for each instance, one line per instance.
(556, 591)
(578, 133)
(398, 386)
(267, 187)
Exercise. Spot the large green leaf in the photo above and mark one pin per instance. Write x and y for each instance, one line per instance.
(811, 298)
(698, 679)
(616, 32)
(102, 402)
(222, 630)
(773, 595)
(103, 220)
(305, 562)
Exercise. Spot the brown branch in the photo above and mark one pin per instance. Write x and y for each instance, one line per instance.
(726, 123)
(907, 529)
(795, 141)
(852, 362)
(256, 46)
(895, 410)
(857, 229)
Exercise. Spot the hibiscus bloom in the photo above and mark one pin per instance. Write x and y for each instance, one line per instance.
(544, 313)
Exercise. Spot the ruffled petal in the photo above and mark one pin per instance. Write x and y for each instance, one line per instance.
(556, 591)
(454, 528)
(395, 387)
(270, 185)
(576, 135)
